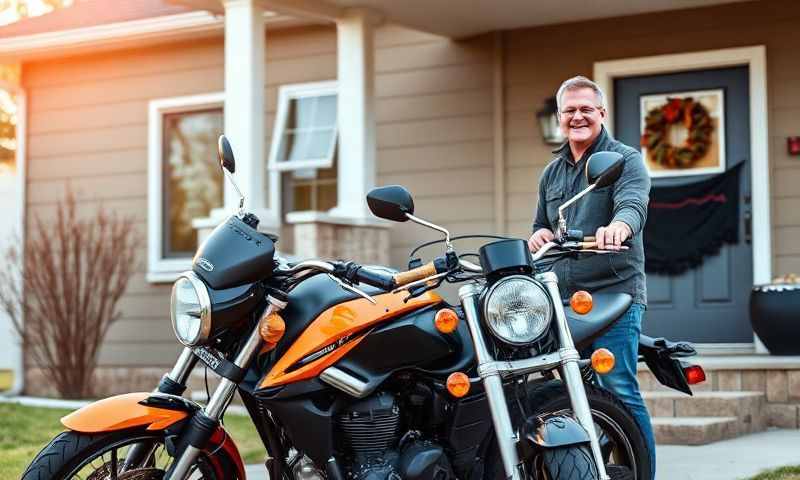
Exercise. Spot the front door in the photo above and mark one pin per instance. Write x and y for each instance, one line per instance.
(708, 304)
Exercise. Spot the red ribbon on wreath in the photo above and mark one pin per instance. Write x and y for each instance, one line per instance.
(695, 118)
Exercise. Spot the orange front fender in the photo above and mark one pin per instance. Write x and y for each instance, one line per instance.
(120, 412)
(125, 411)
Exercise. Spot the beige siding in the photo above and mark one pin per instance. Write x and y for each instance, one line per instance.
(538, 59)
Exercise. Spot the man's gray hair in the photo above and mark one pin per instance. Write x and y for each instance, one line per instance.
(577, 83)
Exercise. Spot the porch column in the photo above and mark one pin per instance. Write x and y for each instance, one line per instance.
(245, 73)
(356, 111)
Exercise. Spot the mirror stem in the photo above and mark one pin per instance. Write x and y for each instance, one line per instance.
(241, 197)
(562, 222)
(433, 226)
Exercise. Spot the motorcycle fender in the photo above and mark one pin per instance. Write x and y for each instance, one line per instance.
(155, 411)
(550, 431)
(120, 412)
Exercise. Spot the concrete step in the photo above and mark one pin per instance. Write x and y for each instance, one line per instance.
(694, 430)
(748, 407)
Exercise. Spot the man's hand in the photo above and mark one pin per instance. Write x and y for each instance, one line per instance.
(539, 238)
(612, 236)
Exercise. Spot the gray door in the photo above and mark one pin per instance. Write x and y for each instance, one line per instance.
(708, 304)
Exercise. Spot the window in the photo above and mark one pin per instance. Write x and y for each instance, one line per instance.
(185, 178)
(304, 145)
(8, 131)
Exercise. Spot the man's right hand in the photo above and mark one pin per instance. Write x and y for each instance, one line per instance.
(539, 238)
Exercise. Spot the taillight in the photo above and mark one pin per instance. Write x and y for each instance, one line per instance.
(694, 374)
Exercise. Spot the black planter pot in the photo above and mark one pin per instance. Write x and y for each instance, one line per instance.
(775, 316)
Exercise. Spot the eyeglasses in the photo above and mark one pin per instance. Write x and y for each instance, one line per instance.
(585, 111)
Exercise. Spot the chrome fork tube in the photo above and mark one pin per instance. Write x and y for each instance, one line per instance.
(493, 385)
(222, 395)
(183, 366)
(572, 372)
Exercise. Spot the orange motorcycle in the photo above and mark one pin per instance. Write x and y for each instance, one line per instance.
(366, 373)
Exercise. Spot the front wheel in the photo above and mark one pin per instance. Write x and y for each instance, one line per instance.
(569, 463)
(75, 455)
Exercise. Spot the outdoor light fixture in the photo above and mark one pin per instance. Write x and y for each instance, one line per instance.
(548, 122)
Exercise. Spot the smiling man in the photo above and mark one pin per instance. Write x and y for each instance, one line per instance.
(615, 213)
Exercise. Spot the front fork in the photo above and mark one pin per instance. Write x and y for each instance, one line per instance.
(507, 437)
(213, 411)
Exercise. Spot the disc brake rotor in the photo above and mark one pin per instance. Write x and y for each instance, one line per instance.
(147, 473)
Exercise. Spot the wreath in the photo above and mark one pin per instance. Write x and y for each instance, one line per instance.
(658, 122)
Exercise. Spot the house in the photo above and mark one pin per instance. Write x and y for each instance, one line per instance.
(323, 99)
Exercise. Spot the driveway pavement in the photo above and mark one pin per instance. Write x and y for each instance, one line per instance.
(734, 459)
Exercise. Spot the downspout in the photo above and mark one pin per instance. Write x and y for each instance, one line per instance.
(22, 119)
(499, 150)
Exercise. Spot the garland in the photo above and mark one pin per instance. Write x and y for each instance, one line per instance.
(656, 132)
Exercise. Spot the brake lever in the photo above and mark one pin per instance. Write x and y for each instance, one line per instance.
(353, 289)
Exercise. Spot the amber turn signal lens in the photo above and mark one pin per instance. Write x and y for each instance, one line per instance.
(271, 328)
(458, 384)
(581, 302)
(602, 361)
(446, 320)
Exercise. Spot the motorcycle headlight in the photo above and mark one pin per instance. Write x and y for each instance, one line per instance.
(190, 310)
(517, 310)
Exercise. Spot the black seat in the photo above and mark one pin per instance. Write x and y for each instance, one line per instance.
(608, 307)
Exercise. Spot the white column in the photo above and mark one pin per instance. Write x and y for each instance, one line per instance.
(356, 112)
(245, 73)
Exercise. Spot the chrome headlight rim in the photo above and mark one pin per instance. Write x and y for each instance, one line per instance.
(535, 284)
(204, 301)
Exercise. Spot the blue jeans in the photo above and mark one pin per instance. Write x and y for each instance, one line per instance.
(623, 341)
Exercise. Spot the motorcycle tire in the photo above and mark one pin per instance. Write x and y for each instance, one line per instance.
(70, 454)
(632, 458)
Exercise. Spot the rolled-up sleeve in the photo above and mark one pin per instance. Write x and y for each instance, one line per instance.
(540, 221)
(632, 193)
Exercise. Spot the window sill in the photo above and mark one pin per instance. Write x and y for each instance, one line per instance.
(163, 277)
(326, 217)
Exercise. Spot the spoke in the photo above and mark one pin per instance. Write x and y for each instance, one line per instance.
(114, 464)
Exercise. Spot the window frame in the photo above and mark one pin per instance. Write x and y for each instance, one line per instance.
(286, 93)
(159, 268)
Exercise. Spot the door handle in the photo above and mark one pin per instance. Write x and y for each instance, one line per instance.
(748, 221)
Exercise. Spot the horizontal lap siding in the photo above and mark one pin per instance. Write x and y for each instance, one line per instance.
(538, 59)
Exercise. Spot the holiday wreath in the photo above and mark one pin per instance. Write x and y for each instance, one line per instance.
(695, 118)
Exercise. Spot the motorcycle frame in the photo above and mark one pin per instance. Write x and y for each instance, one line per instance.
(492, 373)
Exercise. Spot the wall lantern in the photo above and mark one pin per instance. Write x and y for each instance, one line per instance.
(548, 122)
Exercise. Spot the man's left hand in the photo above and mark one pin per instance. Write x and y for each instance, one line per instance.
(612, 236)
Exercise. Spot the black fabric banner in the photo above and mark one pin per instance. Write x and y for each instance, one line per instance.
(688, 222)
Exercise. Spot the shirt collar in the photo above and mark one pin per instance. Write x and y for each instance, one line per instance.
(564, 151)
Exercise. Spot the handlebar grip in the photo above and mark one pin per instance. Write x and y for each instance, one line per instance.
(415, 274)
(382, 280)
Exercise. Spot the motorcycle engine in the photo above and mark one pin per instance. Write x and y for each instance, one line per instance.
(369, 435)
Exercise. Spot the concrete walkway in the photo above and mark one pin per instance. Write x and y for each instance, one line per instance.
(735, 459)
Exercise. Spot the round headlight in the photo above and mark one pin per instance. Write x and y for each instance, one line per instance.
(190, 310)
(517, 310)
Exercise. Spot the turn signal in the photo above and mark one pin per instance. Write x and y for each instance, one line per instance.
(694, 374)
(446, 320)
(458, 384)
(602, 361)
(271, 328)
(581, 302)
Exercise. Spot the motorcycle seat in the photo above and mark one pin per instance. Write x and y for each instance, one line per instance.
(608, 307)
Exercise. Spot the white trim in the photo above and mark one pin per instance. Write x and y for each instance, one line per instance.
(756, 59)
(21, 177)
(287, 93)
(161, 269)
(114, 34)
(311, 216)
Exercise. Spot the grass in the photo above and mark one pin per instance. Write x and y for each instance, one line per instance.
(783, 473)
(26, 430)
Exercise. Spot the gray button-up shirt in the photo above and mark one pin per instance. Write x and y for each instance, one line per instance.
(626, 201)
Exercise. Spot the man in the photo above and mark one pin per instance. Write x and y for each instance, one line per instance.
(615, 213)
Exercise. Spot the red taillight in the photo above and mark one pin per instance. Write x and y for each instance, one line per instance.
(694, 374)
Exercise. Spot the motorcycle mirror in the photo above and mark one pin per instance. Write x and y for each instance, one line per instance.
(392, 202)
(603, 168)
(225, 152)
